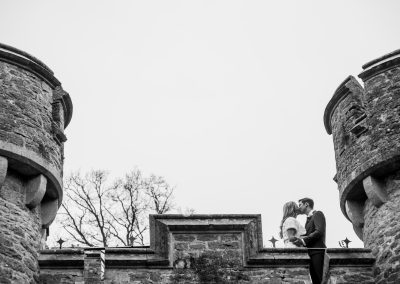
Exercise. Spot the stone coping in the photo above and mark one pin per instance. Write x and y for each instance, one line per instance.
(64, 251)
(385, 57)
(205, 216)
(61, 258)
(25, 55)
(130, 250)
(350, 256)
(299, 257)
(30, 63)
(380, 65)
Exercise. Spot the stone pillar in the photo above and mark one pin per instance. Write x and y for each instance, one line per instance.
(94, 266)
(365, 123)
(34, 110)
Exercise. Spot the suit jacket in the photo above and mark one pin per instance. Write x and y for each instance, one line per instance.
(315, 231)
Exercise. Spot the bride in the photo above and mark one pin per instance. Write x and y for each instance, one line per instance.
(290, 227)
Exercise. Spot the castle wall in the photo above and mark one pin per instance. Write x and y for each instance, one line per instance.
(365, 124)
(34, 111)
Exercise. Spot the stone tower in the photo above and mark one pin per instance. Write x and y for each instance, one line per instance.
(34, 111)
(365, 125)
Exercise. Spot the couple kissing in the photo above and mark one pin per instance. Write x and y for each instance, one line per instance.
(311, 235)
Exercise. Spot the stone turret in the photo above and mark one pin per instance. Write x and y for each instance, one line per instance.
(365, 124)
(34, 111)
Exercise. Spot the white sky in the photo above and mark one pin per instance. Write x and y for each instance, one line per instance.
(224, 99)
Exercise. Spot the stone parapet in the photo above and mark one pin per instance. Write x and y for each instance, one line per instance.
(349, 266)
(205, 249)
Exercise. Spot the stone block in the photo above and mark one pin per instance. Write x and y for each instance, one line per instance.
(355, 212)
(184, 237)
(49, 210)
(359, 232)
(35, 190)
(375, 191)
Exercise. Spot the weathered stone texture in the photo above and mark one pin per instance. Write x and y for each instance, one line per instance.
(64, 276)
(187, 246)
(26, 113)
(382, 232)
(138, 276)
(343, 274)
(19, 234)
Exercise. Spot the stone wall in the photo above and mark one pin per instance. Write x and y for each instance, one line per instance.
(19, 236)
(202, 249)
(34, 110)
(382, 232)
(26, 113)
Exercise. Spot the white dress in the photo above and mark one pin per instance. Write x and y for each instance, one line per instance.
(291, 223)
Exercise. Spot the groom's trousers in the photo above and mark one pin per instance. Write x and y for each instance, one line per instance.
(316, 265)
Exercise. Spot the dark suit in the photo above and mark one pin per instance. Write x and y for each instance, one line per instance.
(315, 238)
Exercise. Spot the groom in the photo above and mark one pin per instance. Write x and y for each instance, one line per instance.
(314, 238)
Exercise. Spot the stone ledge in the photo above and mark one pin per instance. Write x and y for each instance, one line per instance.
(350, 256)
(287, 257)
(130, 250)
(61, 258)
(65, 251)
(145, 257)
(134, 257)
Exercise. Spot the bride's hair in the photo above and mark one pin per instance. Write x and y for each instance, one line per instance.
(289, 210)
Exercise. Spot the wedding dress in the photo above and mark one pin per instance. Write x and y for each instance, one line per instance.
(291, 223)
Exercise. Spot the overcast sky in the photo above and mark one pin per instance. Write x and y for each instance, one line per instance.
(224, 99)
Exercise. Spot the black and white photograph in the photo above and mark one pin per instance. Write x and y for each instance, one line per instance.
(184, 142)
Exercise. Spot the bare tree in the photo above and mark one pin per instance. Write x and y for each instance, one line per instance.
(95, 212)
(159, 193)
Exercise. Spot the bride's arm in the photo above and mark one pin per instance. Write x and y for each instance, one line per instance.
(289, 226)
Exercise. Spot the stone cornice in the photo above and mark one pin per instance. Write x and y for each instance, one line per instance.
(29, 163)
(379, 65)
